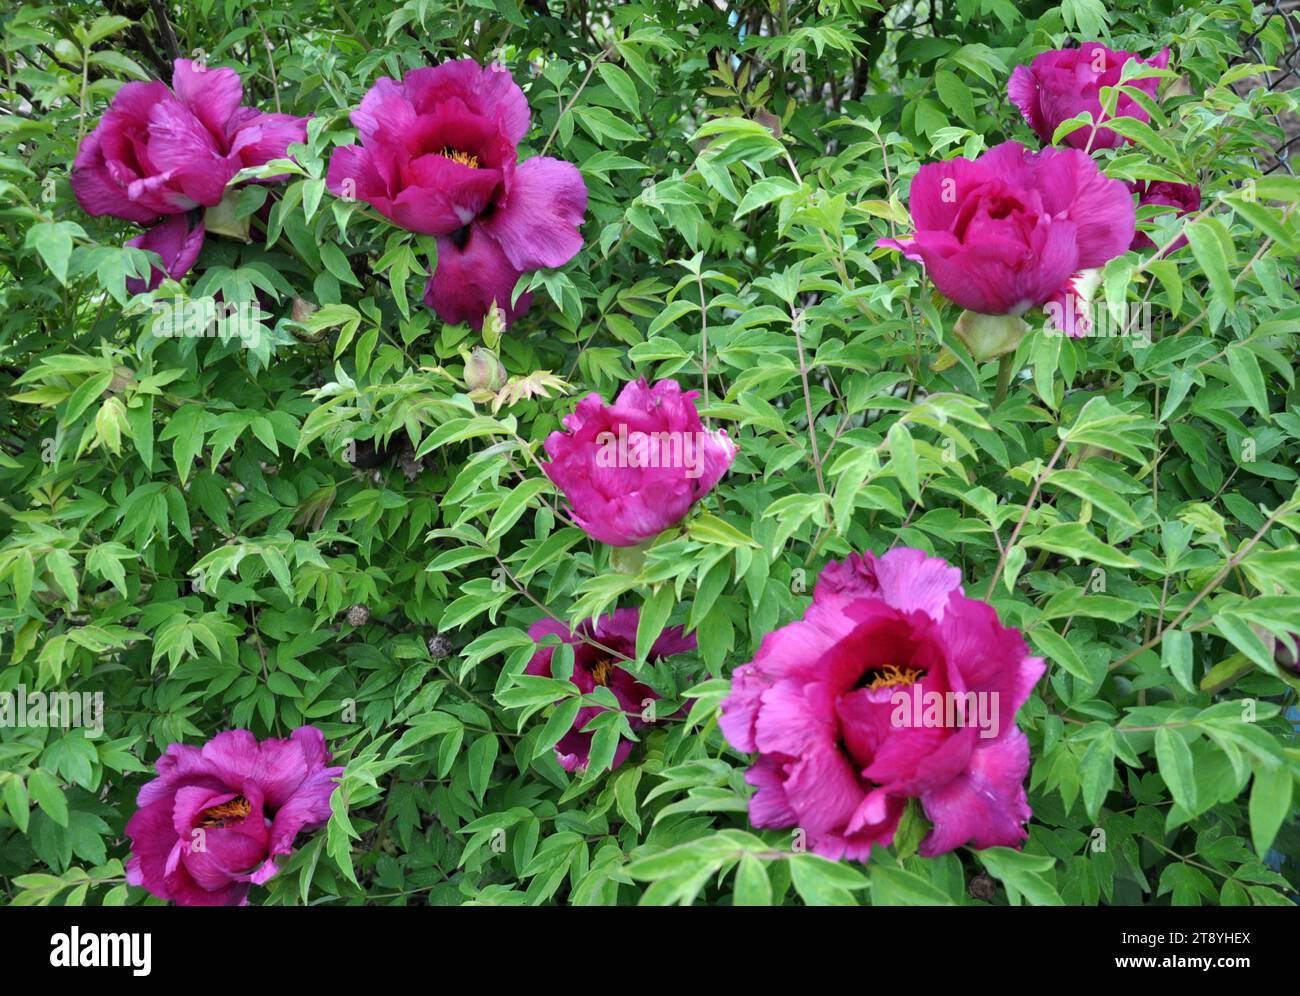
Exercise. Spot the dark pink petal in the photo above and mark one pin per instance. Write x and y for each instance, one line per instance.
(907, 579)
(183, 890)
(352, 175)
(306, 809)
(470, 278)
(824, 790)
(769, 806)
(1184, 198)
(1101, 208)
(267, 136)
(1022, 88)
(1000, 277)
(740, 709)
(152, 840)
(939, 188)
(176, 243)
(183, 148)
(538, 220)
(384, 111)
(213, 95)
(985, 807)
(441, 196)
(487, 90)
(113, 157)
(1068, 311)
(97, 190)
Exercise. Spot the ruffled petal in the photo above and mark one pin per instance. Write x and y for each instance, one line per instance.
(986, 806)
(537, 221)
(470, 278)
(212, 95)
(176, 242)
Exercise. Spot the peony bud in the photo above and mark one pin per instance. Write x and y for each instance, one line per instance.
(220, 219)
(990, 336)
(484, 372)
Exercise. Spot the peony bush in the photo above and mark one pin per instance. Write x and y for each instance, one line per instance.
(842, 454)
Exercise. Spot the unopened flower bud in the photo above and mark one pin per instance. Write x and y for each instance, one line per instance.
(483, 371)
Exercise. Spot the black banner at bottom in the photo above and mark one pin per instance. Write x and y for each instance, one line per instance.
(140, 946)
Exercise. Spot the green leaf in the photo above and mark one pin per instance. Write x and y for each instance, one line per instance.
(1176, 767)
(1024, 875)
(655, 611)
(1212, 246)
(1270, 803)
(48, 795)
(751, 886)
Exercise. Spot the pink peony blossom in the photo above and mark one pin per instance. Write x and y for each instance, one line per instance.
(835, 757)
(1184, 198)
(216, 816)
(161, 153)
(1061, 83)
(438, 155)
(594, 667)
(632, 469)
(1004, 233)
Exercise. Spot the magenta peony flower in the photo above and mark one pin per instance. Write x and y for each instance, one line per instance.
(159, 153)
(838, 706)
(1061, 83)
(593, 666)
(632, 469)
(1184, 198)
(214, 819)
(438, 155)
(1004, 233)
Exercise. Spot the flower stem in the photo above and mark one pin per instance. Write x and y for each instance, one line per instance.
(1006, 366)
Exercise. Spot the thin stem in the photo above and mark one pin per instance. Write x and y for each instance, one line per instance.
(1006, 367)
(807, 402)
(1024, 516)
(1227, 569)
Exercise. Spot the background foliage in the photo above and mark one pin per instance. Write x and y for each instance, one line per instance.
(186, 523)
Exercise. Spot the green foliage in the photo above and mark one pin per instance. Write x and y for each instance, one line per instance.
(187, 521)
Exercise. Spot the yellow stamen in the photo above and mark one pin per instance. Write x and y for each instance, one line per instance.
(601, 672)
(233, 811)
(464, 158)
(891, 676)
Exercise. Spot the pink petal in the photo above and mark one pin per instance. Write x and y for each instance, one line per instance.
(985, 807)
(213, 95)
(181, 146)
(488, 90)
(469, 278)
(176, 243)
(537, 222)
